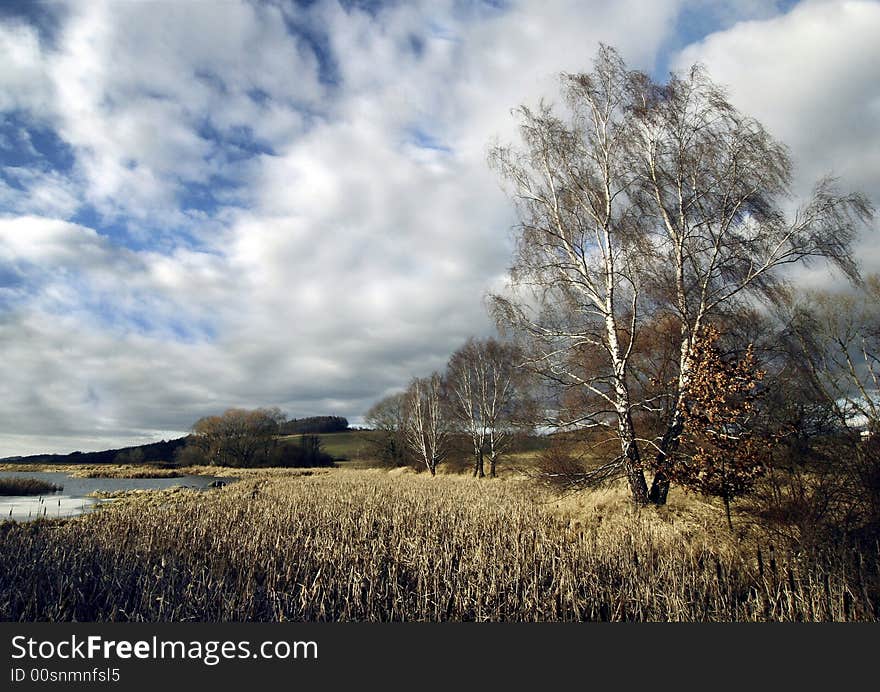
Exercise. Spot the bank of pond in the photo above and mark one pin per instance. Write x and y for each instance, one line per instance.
(62, 494)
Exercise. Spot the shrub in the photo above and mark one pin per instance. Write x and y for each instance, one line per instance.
(306, 453)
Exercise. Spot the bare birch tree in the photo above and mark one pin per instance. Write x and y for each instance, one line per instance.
(645, 201)
(427, 422)
(486, 390)
(464, 379)
(837, 340)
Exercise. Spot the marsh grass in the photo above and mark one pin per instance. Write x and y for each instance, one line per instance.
(26, 486)
(369, 545)
(117, 471)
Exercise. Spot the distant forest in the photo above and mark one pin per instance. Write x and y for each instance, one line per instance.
(164, 451)
(154, 452)
(315, 425)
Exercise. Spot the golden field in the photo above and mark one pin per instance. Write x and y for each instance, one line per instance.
(377, 546)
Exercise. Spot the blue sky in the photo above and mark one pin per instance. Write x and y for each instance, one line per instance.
(214, 204)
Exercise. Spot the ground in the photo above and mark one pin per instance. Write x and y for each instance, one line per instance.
(343, 544)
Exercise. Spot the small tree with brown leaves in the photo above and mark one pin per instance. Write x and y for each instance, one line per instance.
(722, 453)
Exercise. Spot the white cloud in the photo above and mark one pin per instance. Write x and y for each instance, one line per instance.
(132, 88)
(23, 82)
(351, 256)
(811, 77)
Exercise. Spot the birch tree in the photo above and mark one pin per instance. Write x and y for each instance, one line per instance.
(649, 201)
(836, 339)
(486, 391)
(427, 422)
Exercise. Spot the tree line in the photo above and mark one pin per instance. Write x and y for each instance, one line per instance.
(481, 401)
(314, 425)
(249, 438)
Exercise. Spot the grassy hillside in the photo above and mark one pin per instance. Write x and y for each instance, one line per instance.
(349, 446)
(353, 449)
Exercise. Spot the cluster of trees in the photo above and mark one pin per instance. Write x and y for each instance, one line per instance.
(248, 438)
(314, 425)
(649, 306)
(482, 401)
(825, 399)
(648, 283)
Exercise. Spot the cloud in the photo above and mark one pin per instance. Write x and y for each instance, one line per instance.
(810, 76)
(246, 204)
(153, 100)
(23, 82)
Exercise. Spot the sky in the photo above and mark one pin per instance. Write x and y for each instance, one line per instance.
(207, 205)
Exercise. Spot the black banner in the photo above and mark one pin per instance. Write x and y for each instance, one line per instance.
(414, 655)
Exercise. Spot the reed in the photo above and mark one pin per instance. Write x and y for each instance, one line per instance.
(26, 486)
(371, 546)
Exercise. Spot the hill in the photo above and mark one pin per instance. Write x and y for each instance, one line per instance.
(149, 453)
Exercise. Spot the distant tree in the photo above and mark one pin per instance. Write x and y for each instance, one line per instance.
(721, 451)
(487, 393)
(238, 437)
(835, 349)
(135, 455)
(387, 419)
(643, 200)
(193, 453)
(315, 425)
(837, 339)
(427, 421)
(304, 452)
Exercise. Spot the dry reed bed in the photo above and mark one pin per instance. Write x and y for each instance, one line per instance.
(26, 486)
(110, 470)
(371, 546)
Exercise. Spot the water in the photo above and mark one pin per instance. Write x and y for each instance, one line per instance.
(74, 500)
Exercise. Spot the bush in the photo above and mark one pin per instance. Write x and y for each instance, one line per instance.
(191, 455)
(823, 496)
(307, 453)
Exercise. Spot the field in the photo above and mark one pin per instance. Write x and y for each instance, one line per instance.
(373, 545)
(351, 445)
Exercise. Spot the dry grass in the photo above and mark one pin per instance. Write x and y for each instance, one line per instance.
(125, 471)
(370, 545)
(26, 486)
(99, 470)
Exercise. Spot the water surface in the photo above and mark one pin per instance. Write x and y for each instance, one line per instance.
(74, 498)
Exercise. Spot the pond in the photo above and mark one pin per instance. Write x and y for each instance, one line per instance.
(74, 498)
